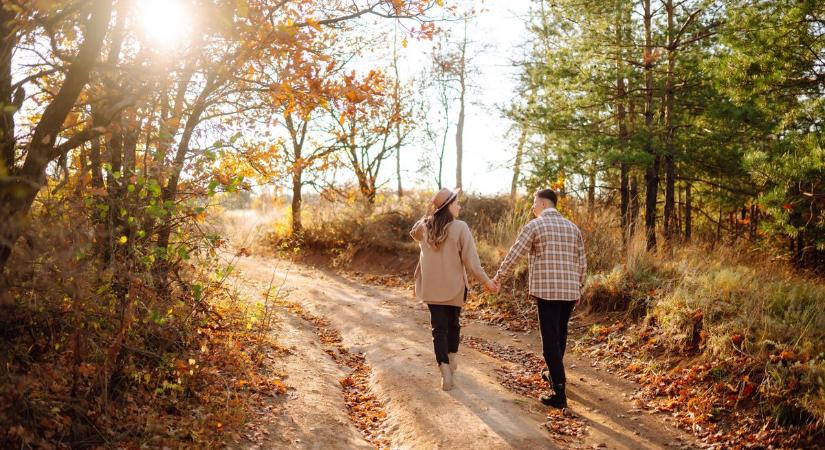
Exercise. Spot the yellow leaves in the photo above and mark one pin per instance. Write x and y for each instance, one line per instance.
(314, 24)
(440, 3)
(404, 43)
(354, 95)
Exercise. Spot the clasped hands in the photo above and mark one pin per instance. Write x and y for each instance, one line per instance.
(492, 286)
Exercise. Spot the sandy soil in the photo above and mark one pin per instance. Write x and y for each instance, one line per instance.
(392, 329)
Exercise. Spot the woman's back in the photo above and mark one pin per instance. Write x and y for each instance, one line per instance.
(441, 275)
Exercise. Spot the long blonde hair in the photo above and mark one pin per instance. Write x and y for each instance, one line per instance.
(436, 225)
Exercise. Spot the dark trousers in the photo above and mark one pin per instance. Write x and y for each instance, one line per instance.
(553, 318)
(446, 330)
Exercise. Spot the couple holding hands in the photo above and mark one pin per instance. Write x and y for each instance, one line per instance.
(557, 268)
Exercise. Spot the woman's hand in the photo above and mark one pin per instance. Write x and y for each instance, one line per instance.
(492, 286)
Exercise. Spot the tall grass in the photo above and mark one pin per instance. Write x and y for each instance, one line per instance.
(723, 304)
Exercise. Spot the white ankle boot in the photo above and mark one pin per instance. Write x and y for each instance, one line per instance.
(453, 362)
(446, 376)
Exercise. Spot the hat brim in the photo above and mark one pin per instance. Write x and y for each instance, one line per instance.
(452, 197)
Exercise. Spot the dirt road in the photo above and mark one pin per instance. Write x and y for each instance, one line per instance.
(391, 329)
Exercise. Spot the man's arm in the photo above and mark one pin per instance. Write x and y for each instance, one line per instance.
(582, 261)
(517, 251)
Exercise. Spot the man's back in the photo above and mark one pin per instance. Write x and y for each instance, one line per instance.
(556, 256)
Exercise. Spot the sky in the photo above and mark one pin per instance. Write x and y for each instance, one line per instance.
(499, 32)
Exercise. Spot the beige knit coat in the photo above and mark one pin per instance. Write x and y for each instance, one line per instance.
(441, 274)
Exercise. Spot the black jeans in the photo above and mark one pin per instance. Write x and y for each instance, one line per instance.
(553, 318)
(446, 330)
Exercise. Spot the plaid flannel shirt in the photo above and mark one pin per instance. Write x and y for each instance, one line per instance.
(556, 257)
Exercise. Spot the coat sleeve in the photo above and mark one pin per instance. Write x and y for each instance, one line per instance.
(517, 251)
(582, 260)
(469, 255)
(417, 231)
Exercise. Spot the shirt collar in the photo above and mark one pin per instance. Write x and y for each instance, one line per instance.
(550, 211)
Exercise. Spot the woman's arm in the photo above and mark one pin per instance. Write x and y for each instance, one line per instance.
(469, 256)
(418, 229)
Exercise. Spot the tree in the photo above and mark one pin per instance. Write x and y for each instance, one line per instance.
(365, 128)
(453, 61)
(21, 184)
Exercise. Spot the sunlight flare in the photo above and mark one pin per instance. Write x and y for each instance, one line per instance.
(164, 23)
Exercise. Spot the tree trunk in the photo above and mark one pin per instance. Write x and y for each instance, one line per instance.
(517, 166)
(297, 200)
(670, 169)
(459, 131)
(8, 40)
(16, 196)
(652, 171)
(397, 100)
(621, 118)
(624, 200)
(95, 163)
(113, 178)
(679, 210)
(634, 204)
(688, 213)
(130, 141)
(440, 178)
(297, 138)
(591, 191)
(170, 192)
(459, 139)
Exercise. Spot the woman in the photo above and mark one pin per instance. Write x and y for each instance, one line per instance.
(448, 252)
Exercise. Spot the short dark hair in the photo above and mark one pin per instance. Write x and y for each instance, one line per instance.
(549, 194)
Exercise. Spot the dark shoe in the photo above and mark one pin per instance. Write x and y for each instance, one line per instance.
(558, 400)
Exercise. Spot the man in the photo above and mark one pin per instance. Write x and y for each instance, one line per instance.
(557, 269)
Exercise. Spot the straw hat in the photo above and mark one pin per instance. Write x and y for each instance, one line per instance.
(443, 198)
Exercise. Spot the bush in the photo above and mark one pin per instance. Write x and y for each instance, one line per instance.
(93, 353)
(343, 228)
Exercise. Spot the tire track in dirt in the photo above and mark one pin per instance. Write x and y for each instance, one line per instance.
(365, 411)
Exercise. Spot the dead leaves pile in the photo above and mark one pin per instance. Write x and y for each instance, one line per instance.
(364, 409)
(715, 400)
(502, 310)
(565, 425)
(391, 281)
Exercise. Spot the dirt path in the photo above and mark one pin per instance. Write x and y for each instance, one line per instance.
(392, 330)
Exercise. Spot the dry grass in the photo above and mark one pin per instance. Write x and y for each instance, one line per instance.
(722, 304)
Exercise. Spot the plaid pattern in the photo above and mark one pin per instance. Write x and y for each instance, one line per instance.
(556, 257)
